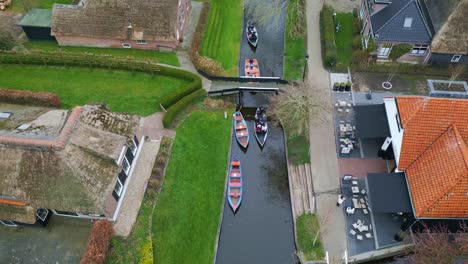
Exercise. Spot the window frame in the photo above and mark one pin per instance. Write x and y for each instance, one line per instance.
(387, 53)
(126, 170)
(418, 48)
(141, 42)
(126, 45)
(456, 58)
(398, 121)
(408, 22)
(121, 187)
(10, 224)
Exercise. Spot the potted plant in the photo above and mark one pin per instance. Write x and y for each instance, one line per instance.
(348, 86)
(336, 86)
(400, 235)
(342, 86)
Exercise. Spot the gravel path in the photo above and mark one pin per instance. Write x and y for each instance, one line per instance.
(343, 5)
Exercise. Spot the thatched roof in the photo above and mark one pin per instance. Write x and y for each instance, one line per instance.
(117, 19)
(452, 38)
(78, 178)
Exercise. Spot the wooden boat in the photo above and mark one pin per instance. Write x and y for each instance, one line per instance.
(251, 68)
(252, 34)
(241, 129)
(234, 191)
(261, 126)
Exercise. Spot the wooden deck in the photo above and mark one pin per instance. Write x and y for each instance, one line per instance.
(300, 182)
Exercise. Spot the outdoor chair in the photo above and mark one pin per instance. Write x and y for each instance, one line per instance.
(363, 191)
(359, 237)
(355, 225)
(352, 232)
(365, 211)
(347, 177)
(368, 235)
(359, 221)
(355, 182)
(350, 210)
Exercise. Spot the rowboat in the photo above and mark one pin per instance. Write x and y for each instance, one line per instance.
(251, 68)
(234, 193)
(241, 129)
(252, 34)
(261, 126)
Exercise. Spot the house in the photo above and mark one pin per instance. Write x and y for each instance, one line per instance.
(429, 137)
(75, 163)
(36, 24)
(435, 30)
(141, 24)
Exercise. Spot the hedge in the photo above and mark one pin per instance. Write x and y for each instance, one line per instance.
(98, 243)
(404, 68)
(29, 98)
(399, 50)
(175, 109)
(327, 29)
(106, 62)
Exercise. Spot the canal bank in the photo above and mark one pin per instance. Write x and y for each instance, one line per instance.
(262, 229)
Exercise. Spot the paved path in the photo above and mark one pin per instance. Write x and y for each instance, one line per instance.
(322, 150)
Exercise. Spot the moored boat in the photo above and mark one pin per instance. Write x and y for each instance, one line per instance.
(261, 126)
(234, 191)
(241, 129)
(251, 68)
(252, 34)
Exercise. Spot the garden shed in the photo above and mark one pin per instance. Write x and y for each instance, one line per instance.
(36, 24)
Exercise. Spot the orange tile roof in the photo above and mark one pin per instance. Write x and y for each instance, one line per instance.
(434, 155)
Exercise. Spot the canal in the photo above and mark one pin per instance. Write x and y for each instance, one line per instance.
(262, 229)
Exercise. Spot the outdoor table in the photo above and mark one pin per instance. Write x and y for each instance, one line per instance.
(346, 150)
(355, 189)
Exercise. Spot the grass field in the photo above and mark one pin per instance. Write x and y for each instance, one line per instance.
(307, 228)
(222, 37)
(22, 5)
(135, 93)
(295, 50)
(187, 216)
(344, 38)
(298, 150)
(162, 57)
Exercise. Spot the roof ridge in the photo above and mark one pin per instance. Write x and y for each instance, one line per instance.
(462, 145)
(396, 14)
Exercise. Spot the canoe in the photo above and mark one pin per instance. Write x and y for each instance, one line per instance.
(241, 129)
(252, 34)
(234, 188)
(251, 68)
(261, 126)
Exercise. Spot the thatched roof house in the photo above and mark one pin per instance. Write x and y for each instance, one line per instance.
(77, 171)
(117, 22)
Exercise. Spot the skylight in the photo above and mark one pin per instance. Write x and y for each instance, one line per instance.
(408, 22)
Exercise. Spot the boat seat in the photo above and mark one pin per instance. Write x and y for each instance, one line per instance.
(235, 184)
(239, 118)
(240, 127)
(235, 163)
(235, 194)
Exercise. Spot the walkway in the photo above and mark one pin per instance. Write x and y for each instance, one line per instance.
(323, 156)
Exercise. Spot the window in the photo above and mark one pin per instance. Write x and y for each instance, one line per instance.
(187, 4)
(126, 165)
(65, 213)
(126, 45)
(456, 58)
(141, 42)
(361, 12)
(180, 2)
(42, 213)
(408, 22)
(8, 223)
(384, 50)
(133, 147)
(181, 19)
(419, 49)
(177, 34)
(397, 118)
(118, 188)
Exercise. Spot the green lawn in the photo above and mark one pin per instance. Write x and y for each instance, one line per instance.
(221, 40)
(187, 216)
(298, 150)
(307, 227)
(162, 57)
(22, 5)
(344, 38)
(135, 93)
(295, 49)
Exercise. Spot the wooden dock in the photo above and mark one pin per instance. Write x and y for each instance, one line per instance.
(301, 187)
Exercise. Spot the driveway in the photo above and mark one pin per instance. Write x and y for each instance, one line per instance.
(270, 49)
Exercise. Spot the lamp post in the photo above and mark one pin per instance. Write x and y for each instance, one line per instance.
(305, 66)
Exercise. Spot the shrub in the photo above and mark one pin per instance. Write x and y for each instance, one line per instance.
(360, 57)
(296, 18)
(357, 42)
(399, 50)
(327, 28)
(7, 41)
(371, 45)
(356, 26)
(171, 99)
(29, 98)
(98, 243)
(180, 105)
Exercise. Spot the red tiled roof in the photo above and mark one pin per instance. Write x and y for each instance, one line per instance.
(434, 155)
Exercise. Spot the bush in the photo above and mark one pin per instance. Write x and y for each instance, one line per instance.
(357, 42)
(7, 41)
(180, 105)
(327, 28)
(296, 18)
(371, 45)
(399, 50)
(356, 26)
(29, 98)
(171, 99)
(360, 57)
(98, 243)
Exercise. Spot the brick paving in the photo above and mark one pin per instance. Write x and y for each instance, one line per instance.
(360, 167)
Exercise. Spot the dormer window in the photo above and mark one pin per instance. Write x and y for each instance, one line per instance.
(408, 22)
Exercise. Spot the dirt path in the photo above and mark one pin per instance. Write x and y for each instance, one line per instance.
(343, 5)
(322, 148)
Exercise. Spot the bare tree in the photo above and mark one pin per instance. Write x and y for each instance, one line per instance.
(438, 245)
(300, 105)
(456, 71)
(265, 13)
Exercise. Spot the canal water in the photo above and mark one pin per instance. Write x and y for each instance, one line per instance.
(262, 229)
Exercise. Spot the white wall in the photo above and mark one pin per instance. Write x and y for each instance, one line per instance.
(395, 132)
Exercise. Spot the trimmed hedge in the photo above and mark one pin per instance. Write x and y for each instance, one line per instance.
(29, 98)
(106, 62)
(175, 109)
(98, 243)
(399, 50)
(404, 68)
(327, 29)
